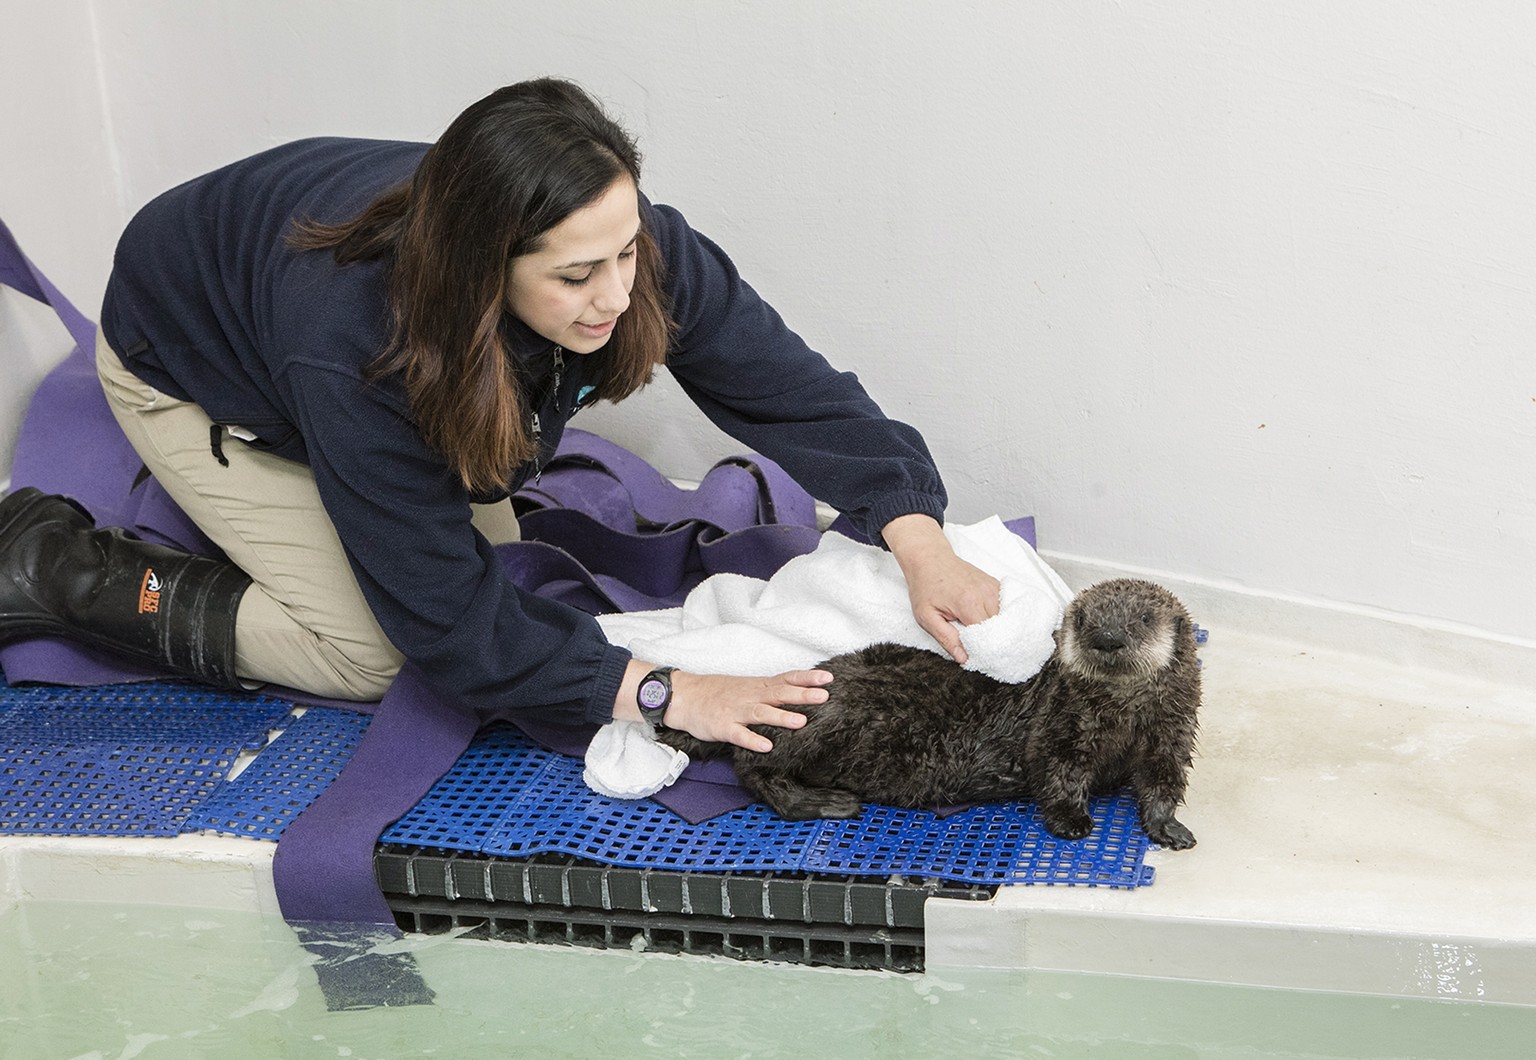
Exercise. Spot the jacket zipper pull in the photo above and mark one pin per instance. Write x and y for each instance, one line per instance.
(538, 461)
(538, 450)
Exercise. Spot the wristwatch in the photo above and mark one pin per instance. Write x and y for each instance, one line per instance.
(654, 695)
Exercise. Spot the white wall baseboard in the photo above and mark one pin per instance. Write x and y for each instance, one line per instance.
(1407, 640)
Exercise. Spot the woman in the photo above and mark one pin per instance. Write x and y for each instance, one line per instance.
(340, 356)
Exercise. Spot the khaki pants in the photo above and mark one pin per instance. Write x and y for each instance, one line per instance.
(303, 623)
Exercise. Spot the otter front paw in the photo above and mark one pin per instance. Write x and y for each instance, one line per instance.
(1171, 834)
(1068, 823)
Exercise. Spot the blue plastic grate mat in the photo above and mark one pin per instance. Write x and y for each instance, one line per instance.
(289, 774)
(149, 759)
(509, 797)
(121, 759)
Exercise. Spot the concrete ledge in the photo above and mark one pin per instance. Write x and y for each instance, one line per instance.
(1241, 952)
(190, 871)
(1363, 826)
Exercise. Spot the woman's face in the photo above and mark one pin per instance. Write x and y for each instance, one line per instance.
(573, 288)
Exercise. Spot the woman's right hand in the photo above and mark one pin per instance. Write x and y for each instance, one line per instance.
(719, 708)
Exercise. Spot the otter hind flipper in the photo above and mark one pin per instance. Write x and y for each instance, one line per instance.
(793, 799)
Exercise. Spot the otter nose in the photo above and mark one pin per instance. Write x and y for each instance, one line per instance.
(1107, 640)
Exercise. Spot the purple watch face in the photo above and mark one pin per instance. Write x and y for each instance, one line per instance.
(653, 693)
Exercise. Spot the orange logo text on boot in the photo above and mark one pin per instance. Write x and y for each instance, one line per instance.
(149, 593)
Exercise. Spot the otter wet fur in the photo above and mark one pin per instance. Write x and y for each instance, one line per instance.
(1116, 704)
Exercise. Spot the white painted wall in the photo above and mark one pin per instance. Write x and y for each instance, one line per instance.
(1238, 292)
(58, 193)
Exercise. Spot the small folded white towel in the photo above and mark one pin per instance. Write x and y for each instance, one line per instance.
(839, 598)
(624, 761)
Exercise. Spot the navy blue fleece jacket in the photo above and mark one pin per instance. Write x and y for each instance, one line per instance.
(208, 304)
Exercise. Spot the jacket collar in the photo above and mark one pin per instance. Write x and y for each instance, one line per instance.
(523, 341)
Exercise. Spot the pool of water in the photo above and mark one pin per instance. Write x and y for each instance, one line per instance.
(98, 981)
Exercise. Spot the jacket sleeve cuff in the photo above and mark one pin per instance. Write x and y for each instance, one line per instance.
(605, 686)
(894, 505)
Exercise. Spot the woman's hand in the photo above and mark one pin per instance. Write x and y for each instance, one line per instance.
(943, 587)
(719, 708)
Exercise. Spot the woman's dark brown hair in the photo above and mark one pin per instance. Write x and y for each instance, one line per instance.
(506, 171)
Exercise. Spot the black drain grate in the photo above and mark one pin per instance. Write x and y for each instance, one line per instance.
(840, 922)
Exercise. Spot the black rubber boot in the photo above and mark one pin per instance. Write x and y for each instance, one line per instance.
(60, 576)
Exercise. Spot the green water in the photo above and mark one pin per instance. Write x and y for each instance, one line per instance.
(108, 982)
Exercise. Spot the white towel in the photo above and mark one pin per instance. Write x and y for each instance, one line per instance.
(841, 597)
(624, 761)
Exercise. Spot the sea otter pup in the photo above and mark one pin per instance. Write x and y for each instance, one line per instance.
(1116, 704)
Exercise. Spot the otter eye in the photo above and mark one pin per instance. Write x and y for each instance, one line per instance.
(1146, 618)
(1078, 621)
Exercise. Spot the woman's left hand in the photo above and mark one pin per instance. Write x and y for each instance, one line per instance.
(943, 587)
